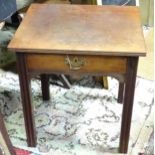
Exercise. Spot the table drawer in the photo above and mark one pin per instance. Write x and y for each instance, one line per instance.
(76, 63)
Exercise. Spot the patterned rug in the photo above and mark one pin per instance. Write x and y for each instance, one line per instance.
(82, 120)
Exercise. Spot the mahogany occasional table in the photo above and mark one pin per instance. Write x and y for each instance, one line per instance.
(79, 39)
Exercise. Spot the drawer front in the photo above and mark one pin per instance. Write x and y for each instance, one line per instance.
(75, 63)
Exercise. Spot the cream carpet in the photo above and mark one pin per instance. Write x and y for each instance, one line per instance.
(146, 64)
(83, 120)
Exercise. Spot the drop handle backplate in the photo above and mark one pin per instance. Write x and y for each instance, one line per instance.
(75, 63)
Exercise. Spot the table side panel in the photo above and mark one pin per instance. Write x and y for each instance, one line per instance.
(93, 64)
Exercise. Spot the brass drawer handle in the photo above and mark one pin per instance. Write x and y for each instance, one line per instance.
(75, 63)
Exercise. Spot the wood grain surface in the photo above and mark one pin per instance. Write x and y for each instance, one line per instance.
(93, 64)
(82, 29)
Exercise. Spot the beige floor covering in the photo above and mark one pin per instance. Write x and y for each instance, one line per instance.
(146, 64)
(146, 71)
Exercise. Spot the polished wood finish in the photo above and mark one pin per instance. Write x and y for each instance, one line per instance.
(93, 64)
(5, 135)
(80, 29)
(105, 40)
(128, 103)
(26, 99)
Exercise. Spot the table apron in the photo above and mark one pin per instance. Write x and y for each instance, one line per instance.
(76, 64)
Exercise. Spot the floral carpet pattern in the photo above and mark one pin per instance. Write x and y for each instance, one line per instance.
(82, 120)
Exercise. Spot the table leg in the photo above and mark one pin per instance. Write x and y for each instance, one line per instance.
(128, 103)
(5, 136)
(120, 92)
(45, 87)
(26, 100)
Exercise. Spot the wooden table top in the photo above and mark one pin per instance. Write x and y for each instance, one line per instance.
(80, 29)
